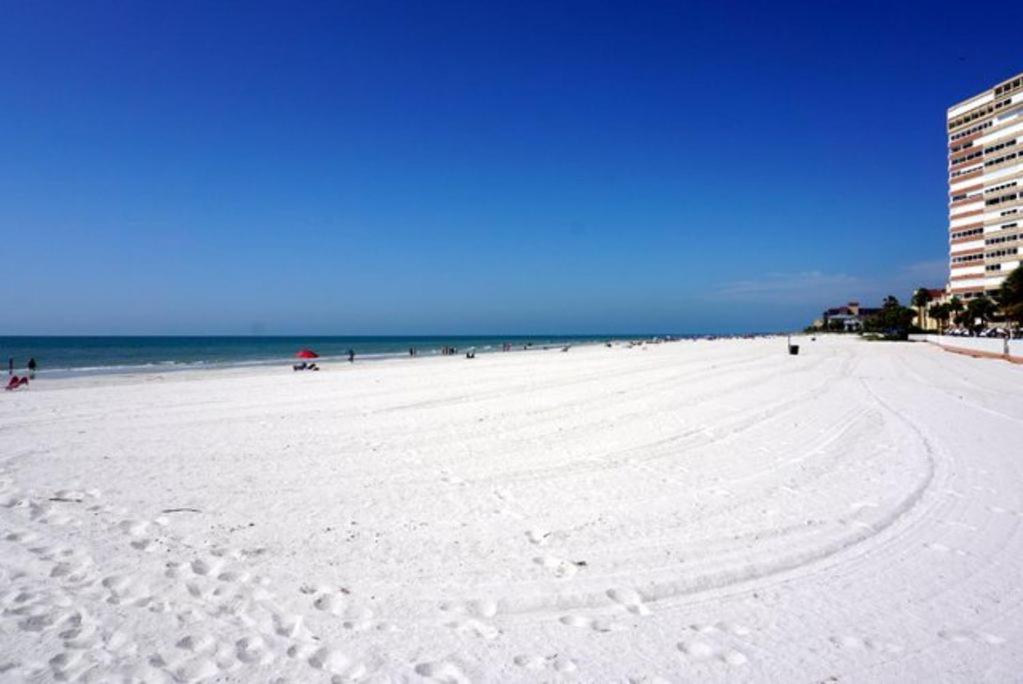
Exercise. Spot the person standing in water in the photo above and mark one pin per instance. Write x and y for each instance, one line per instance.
(351, 356)
(32, 368)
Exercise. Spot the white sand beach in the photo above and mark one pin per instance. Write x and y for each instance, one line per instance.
(679, 512)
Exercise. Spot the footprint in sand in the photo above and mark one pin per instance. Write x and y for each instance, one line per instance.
(559, 568)
(72, 572)
(962, 636)
(329, 659)
(597, 625)
(125, 590)
(486, 608)
(206, 567)
(699, 650)
(442, 671)
(708, 644)
(475, 628)
(722, 627)
(330, 603)
(855, 643)
(21, 537)
(196, 670)
(135, 528)
(234, 576)
(197, 643)
(941, 548)
(630, 599)
(483, 607)
(538, 537)
(357, 619)
(253, 650)
(80, 633)
(68, 665)
(553, 663)
(288, 626)
(472, 623)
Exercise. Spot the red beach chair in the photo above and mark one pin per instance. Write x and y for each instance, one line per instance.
(16, 382)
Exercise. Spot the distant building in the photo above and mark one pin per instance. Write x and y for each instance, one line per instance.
(985, 182)
(848, 318)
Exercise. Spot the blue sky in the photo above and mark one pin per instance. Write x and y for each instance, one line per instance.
(359, 168)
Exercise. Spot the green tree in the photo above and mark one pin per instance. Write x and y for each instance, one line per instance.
(941, 313)
(956, 309)
(1010, 296)
(893, 320)
(979, 311)
(921, 298)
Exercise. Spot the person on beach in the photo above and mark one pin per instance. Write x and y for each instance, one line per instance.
(10, 365)
(351, 356)
(32, 368)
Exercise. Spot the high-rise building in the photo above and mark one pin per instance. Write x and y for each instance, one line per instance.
(985, 183)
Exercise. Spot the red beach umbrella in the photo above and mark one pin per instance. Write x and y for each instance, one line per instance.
(307, 354)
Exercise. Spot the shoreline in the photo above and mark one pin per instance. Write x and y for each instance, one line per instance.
(114, 373)
(169, 365)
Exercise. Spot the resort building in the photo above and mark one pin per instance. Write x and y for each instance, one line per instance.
(847, 318)
(985, 180)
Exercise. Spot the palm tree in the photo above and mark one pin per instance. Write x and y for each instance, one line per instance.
(940, 312)
(921, 298)
(980, 308)
(1010, 296)
(955, 308)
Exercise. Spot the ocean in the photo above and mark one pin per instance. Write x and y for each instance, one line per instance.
(64, 356)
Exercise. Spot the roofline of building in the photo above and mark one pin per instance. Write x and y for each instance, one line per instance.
(983, 92)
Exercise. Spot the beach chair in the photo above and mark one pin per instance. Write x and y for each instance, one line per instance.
(16, 382)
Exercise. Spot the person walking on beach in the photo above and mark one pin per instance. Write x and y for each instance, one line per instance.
(32, 368)
(10, 365)
(351, 356)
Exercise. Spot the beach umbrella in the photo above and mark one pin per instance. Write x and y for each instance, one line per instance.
(307, 354)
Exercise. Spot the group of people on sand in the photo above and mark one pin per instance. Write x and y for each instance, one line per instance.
(446, 350)
(17, 381)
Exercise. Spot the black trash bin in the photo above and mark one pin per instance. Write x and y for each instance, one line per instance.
(794, 349)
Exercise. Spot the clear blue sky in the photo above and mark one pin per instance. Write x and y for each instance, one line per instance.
(420, 167)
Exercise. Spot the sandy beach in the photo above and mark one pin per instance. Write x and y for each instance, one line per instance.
(677, 512)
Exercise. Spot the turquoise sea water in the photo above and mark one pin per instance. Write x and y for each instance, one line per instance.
(85, 355)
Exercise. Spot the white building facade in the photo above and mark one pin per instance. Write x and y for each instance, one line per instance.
(985, 177)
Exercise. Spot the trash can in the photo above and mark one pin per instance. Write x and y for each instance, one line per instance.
(794, 349)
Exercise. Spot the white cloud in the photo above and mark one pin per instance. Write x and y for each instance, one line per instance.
(790, 288)
(830, 289)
